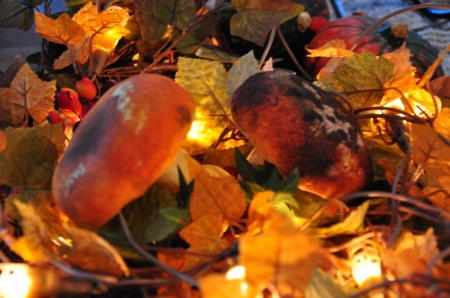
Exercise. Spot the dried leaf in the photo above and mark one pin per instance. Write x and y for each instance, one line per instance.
(353, 222)
(204, 236)
(360, 72)
(225, 157)
(63, 30)
(245, 67)
(428, 146)
(76, 52)
(28, 94)
(333, 48)
(107, 27)
(255, 18)
(280, 262)
(206, 81)
(430, 71)
(221, 197)
(442, 123)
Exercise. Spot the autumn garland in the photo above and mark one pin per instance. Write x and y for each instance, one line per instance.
(221, 230)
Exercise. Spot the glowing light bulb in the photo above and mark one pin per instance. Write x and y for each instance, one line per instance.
(15, 281)
(366, 263)
(237, 272)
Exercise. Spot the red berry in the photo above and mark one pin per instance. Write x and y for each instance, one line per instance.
(69, 103)
(232, 171)
(86, 89)
(54, 118)
(318, 23)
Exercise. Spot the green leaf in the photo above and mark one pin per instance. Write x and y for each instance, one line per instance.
(360, 72)
(183, 197)
(17, 14)
(242, 69)
(30, 156)
(245, 168)
(255, 18)
(354, 222)
(156, 19)
(145, 220)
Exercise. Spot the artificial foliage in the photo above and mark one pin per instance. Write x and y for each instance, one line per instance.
(222, 222)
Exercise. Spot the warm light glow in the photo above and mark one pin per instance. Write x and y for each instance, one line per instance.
(135, 57)
(15, 281)
(214, 41)
(366, 263)
(237, 272)
(201, 135)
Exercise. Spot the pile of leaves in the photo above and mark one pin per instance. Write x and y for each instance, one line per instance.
(254, 234)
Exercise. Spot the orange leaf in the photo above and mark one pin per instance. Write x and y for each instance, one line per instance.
(28, 94)
(259, 212)
(62, 30)
(442, 123)
(333, 48)
(204, 236)
(221, 197)
(76, 52)
(107, 26)
(281, 255)
(219, 286)
(430, 71)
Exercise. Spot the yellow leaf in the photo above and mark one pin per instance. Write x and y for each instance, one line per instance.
(427, 145)
(219, 286)
(403, 79)
(88, 246)
(442, 123)
(221, 197)
(107, 27)
(62, 30)
(76, 52)
(281, 256)
(333, 48)
(204, 236)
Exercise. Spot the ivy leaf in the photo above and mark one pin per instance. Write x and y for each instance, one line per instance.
(28, 94)
(242, 69)
(146, 227)
(354, 222)
(63, 30)
(360, 72)
(221, 197)
(156, 18)
(106, 27)
(206, 81)
(281, 258)
(255, 18)
(17, 14)
(28, 161)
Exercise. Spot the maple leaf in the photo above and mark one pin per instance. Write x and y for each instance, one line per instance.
(221, 197)
(88, 245)
(106, 27)
(281, 262)
(360, 72)
(76, 52)
(63, 30)
(254, 18)
(28, 94)
(204, 236)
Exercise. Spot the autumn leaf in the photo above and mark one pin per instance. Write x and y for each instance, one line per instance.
(204, 236)
(10, 72)
(28, 161)
(221, 197)
(278, 260)
(442, 123)
(76, 52)
(157, 18)
(255, 18)
(87, 245)
(220, 286)
(28, 94)
(241, 70)
(353, 222)
(333, 48)
(431, 69)
(225, 157)
(361, 78)
(106, 27)
(63, 30)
